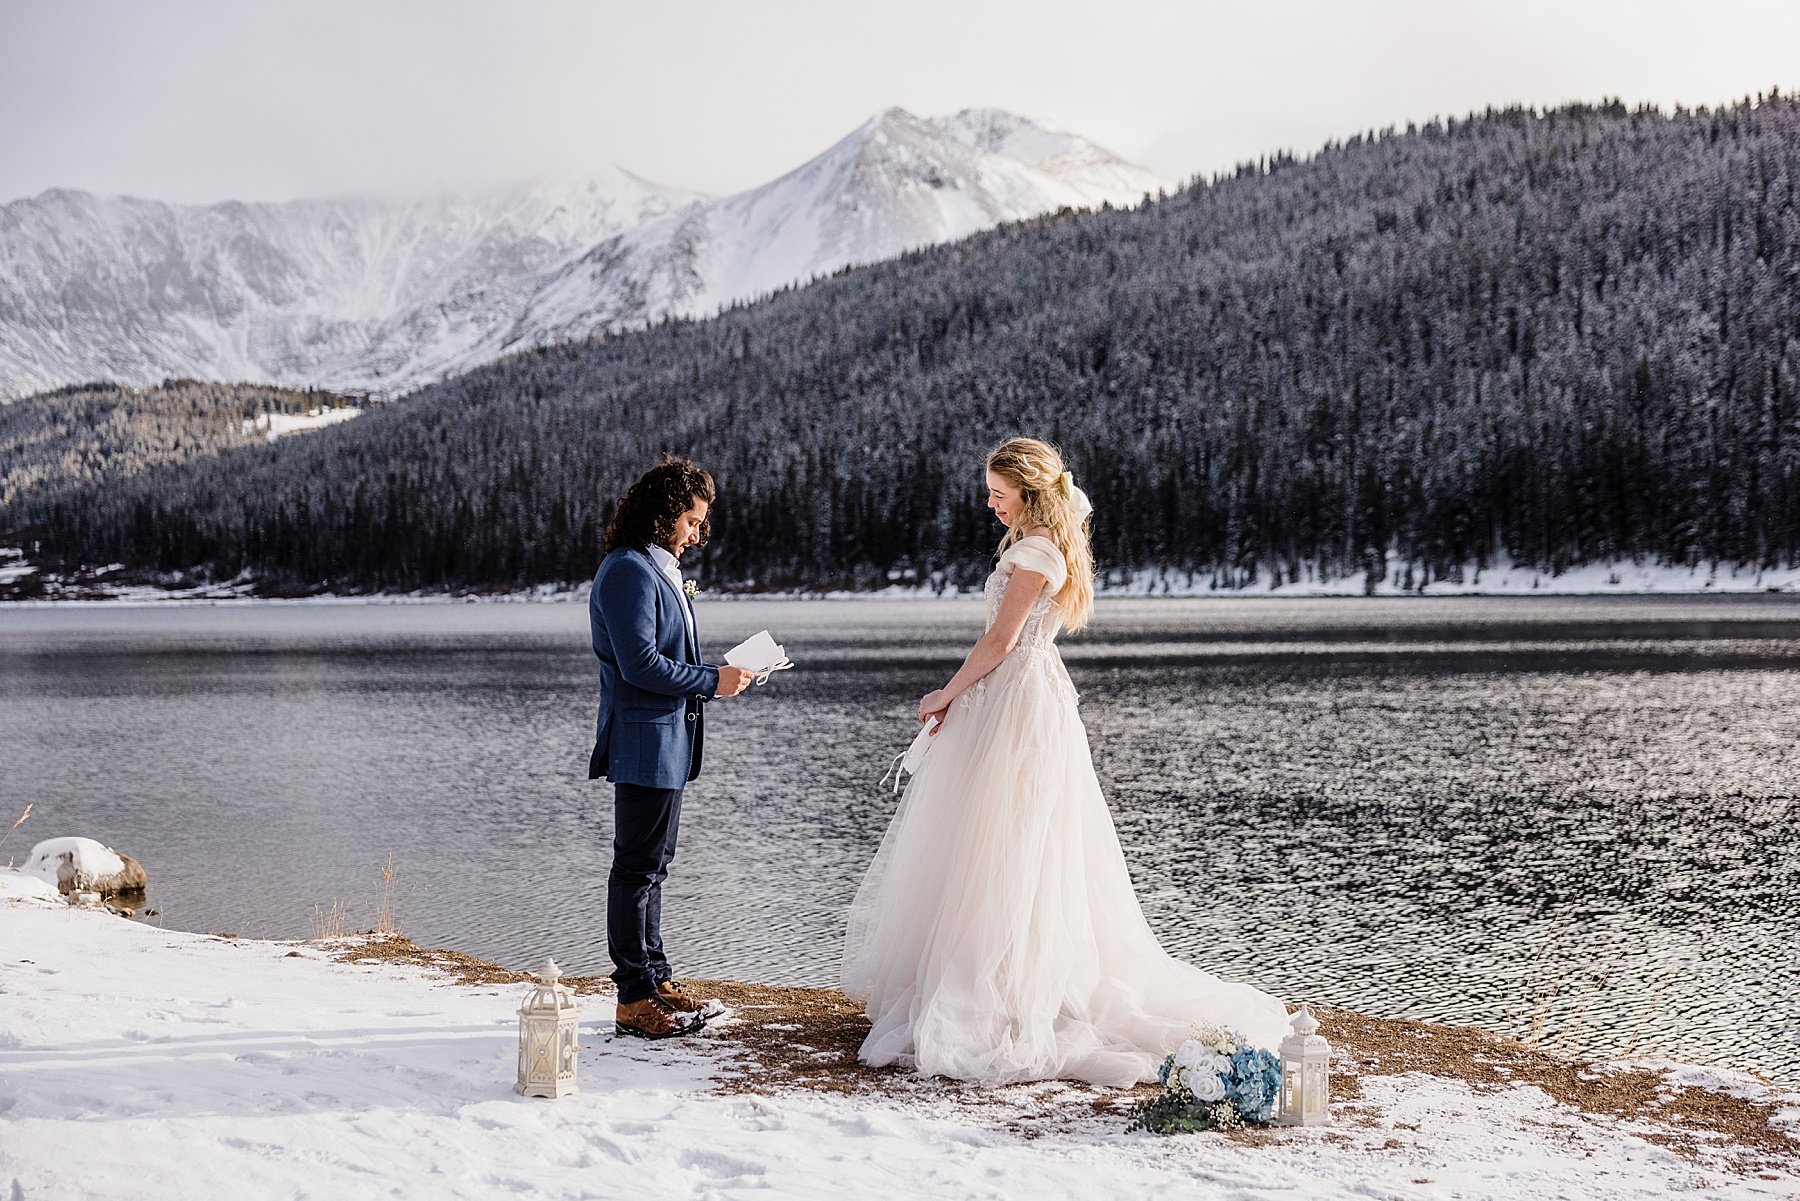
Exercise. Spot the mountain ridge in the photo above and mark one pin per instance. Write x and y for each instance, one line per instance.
(384, 294)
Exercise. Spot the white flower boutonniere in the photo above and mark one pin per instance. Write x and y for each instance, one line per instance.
(691, 589)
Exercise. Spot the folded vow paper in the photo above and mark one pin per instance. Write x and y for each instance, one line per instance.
(760, 654)
(907, 761)
(915, 754)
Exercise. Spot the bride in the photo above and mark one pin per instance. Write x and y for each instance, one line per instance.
(996, 936)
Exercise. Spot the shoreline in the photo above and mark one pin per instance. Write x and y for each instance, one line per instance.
(369, 1063)
(143, 598)
(1362, 1044)
(1496, 581)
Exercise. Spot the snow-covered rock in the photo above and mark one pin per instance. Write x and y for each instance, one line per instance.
(380, 295)
(84, 865)
(25, 886)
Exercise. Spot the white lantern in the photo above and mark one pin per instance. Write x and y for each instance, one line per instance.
(1305, 1074)
(549, 1040)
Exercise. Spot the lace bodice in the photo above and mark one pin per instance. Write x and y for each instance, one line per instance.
(1041, 555)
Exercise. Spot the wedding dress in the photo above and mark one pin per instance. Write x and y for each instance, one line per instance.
(996, 936)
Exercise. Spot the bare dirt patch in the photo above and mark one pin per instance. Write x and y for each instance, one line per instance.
(394, 948)
(1684, 1118)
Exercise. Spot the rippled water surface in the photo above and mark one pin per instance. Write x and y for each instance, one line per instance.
(1562, 818)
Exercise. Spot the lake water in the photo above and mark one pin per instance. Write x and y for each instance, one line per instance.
(1573, 818)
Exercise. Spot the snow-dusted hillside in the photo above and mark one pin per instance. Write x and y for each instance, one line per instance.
(368, 294)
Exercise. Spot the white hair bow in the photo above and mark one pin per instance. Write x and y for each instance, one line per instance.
(1077, 498)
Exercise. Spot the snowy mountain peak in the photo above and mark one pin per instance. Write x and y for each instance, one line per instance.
(1000, 132)
(384, 294)
(893, 114)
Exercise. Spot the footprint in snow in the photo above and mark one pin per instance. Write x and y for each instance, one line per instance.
(720, 1167)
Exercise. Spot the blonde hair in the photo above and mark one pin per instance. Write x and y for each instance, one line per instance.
(1036, 469)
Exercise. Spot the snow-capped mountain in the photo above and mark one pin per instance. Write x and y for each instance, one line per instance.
(896, 183)
(304, 292)
(382, 295)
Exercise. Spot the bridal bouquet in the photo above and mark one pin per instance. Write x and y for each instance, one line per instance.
(1214, 1081)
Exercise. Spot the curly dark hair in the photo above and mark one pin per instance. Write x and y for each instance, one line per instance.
(646, 514)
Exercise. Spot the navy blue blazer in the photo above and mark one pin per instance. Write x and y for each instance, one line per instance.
(653, 684)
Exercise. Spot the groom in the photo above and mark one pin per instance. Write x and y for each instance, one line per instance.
(648, 736)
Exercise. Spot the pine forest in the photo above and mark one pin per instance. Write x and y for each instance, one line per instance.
(1554, 338)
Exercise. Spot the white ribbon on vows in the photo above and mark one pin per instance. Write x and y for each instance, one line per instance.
(907, 762)
(760, 655)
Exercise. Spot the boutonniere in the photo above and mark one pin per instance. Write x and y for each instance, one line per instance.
(691, 589)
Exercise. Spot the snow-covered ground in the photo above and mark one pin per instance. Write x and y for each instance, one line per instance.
(143, 1063)
(280, 425)
(13, 566)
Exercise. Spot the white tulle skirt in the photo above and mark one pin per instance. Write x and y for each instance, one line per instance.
(996, 936)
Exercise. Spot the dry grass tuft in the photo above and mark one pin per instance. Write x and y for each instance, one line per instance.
(334, 923)
(11, 828)
(329, 923)
(1558, 986)
(387, 919)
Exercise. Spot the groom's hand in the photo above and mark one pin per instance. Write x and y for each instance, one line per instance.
(733, 680)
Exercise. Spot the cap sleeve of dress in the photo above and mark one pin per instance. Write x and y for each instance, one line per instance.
(1040, 555)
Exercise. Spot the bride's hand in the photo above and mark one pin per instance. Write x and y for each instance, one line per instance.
(934, 703)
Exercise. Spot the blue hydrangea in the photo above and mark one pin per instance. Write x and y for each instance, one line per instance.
(1249, 1080)
(1254, 1081)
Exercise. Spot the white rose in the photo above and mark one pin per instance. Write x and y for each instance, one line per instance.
(1204, 1084)
(1191, 1055)
(1219, 1064)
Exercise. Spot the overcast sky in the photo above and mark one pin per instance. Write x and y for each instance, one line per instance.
(271, 99)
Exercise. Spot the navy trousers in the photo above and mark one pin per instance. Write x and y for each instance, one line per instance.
(645, 822)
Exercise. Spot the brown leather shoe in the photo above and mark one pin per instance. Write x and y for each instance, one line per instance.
(650, 1018)
(671, 995)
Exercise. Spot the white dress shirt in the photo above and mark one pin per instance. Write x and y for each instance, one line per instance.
(671, 567)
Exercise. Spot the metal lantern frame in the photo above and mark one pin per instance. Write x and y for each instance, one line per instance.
(549, 1037)
(1305, 1073)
